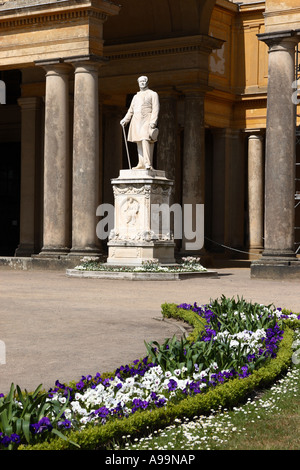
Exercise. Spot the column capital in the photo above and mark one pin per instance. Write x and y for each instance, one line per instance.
(226, 132)
(252, 136)
(256, 131)
(194, 89)
(87, 60)
(167, 92)
(30, 102)
(280, 40)
(53, 64)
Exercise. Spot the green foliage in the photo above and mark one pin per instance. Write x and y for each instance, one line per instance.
(241, 314)
(173, 354)
(230, 315)
(19, 410)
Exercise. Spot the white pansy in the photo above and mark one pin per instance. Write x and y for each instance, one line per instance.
(181, 384)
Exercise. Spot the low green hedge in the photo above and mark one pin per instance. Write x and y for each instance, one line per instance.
(188, 316)
(141, 423)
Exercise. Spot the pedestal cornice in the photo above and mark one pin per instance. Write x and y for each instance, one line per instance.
(142, 177)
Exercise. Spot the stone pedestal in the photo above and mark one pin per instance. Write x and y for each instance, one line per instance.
(142, 224)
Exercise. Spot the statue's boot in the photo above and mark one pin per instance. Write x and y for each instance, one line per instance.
(140, 165)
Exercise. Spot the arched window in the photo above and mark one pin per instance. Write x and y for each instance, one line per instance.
(2, 92)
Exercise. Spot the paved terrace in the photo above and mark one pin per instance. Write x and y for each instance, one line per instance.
(57, 327)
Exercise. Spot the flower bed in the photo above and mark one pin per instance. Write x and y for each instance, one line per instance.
(233, 348)
(187, 265)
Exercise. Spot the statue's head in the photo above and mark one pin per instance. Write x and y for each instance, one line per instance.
(143, 81)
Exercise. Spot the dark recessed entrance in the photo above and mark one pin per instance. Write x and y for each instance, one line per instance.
(10, 162)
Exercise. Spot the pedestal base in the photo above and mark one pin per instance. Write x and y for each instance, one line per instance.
(134, 255)
(141, 276)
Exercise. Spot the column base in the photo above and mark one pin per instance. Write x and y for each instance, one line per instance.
(279, 254)
(286, 266)
(55, 252)
(255, 252)
(24, 250)
(84, 251)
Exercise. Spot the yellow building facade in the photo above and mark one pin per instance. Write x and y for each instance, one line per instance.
(69, 70)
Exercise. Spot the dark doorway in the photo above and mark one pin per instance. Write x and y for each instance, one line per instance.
(10, 163)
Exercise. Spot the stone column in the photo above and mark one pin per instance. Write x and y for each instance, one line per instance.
(193, 168)
(56, 160)
(31, 109)
(235, 187)
(256, 192)
(85, 195)
(218, 187)
(279, 252)
(113, 157)
(167, 139)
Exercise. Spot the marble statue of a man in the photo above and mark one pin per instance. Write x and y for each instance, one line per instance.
(143, 117)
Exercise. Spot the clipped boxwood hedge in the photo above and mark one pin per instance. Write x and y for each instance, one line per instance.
(141, 423)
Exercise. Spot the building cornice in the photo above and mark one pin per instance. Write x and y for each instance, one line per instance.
(253, 6)
(289, 12)
(40, 20)
(178, 45)
(227, 5)
(22, 13)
